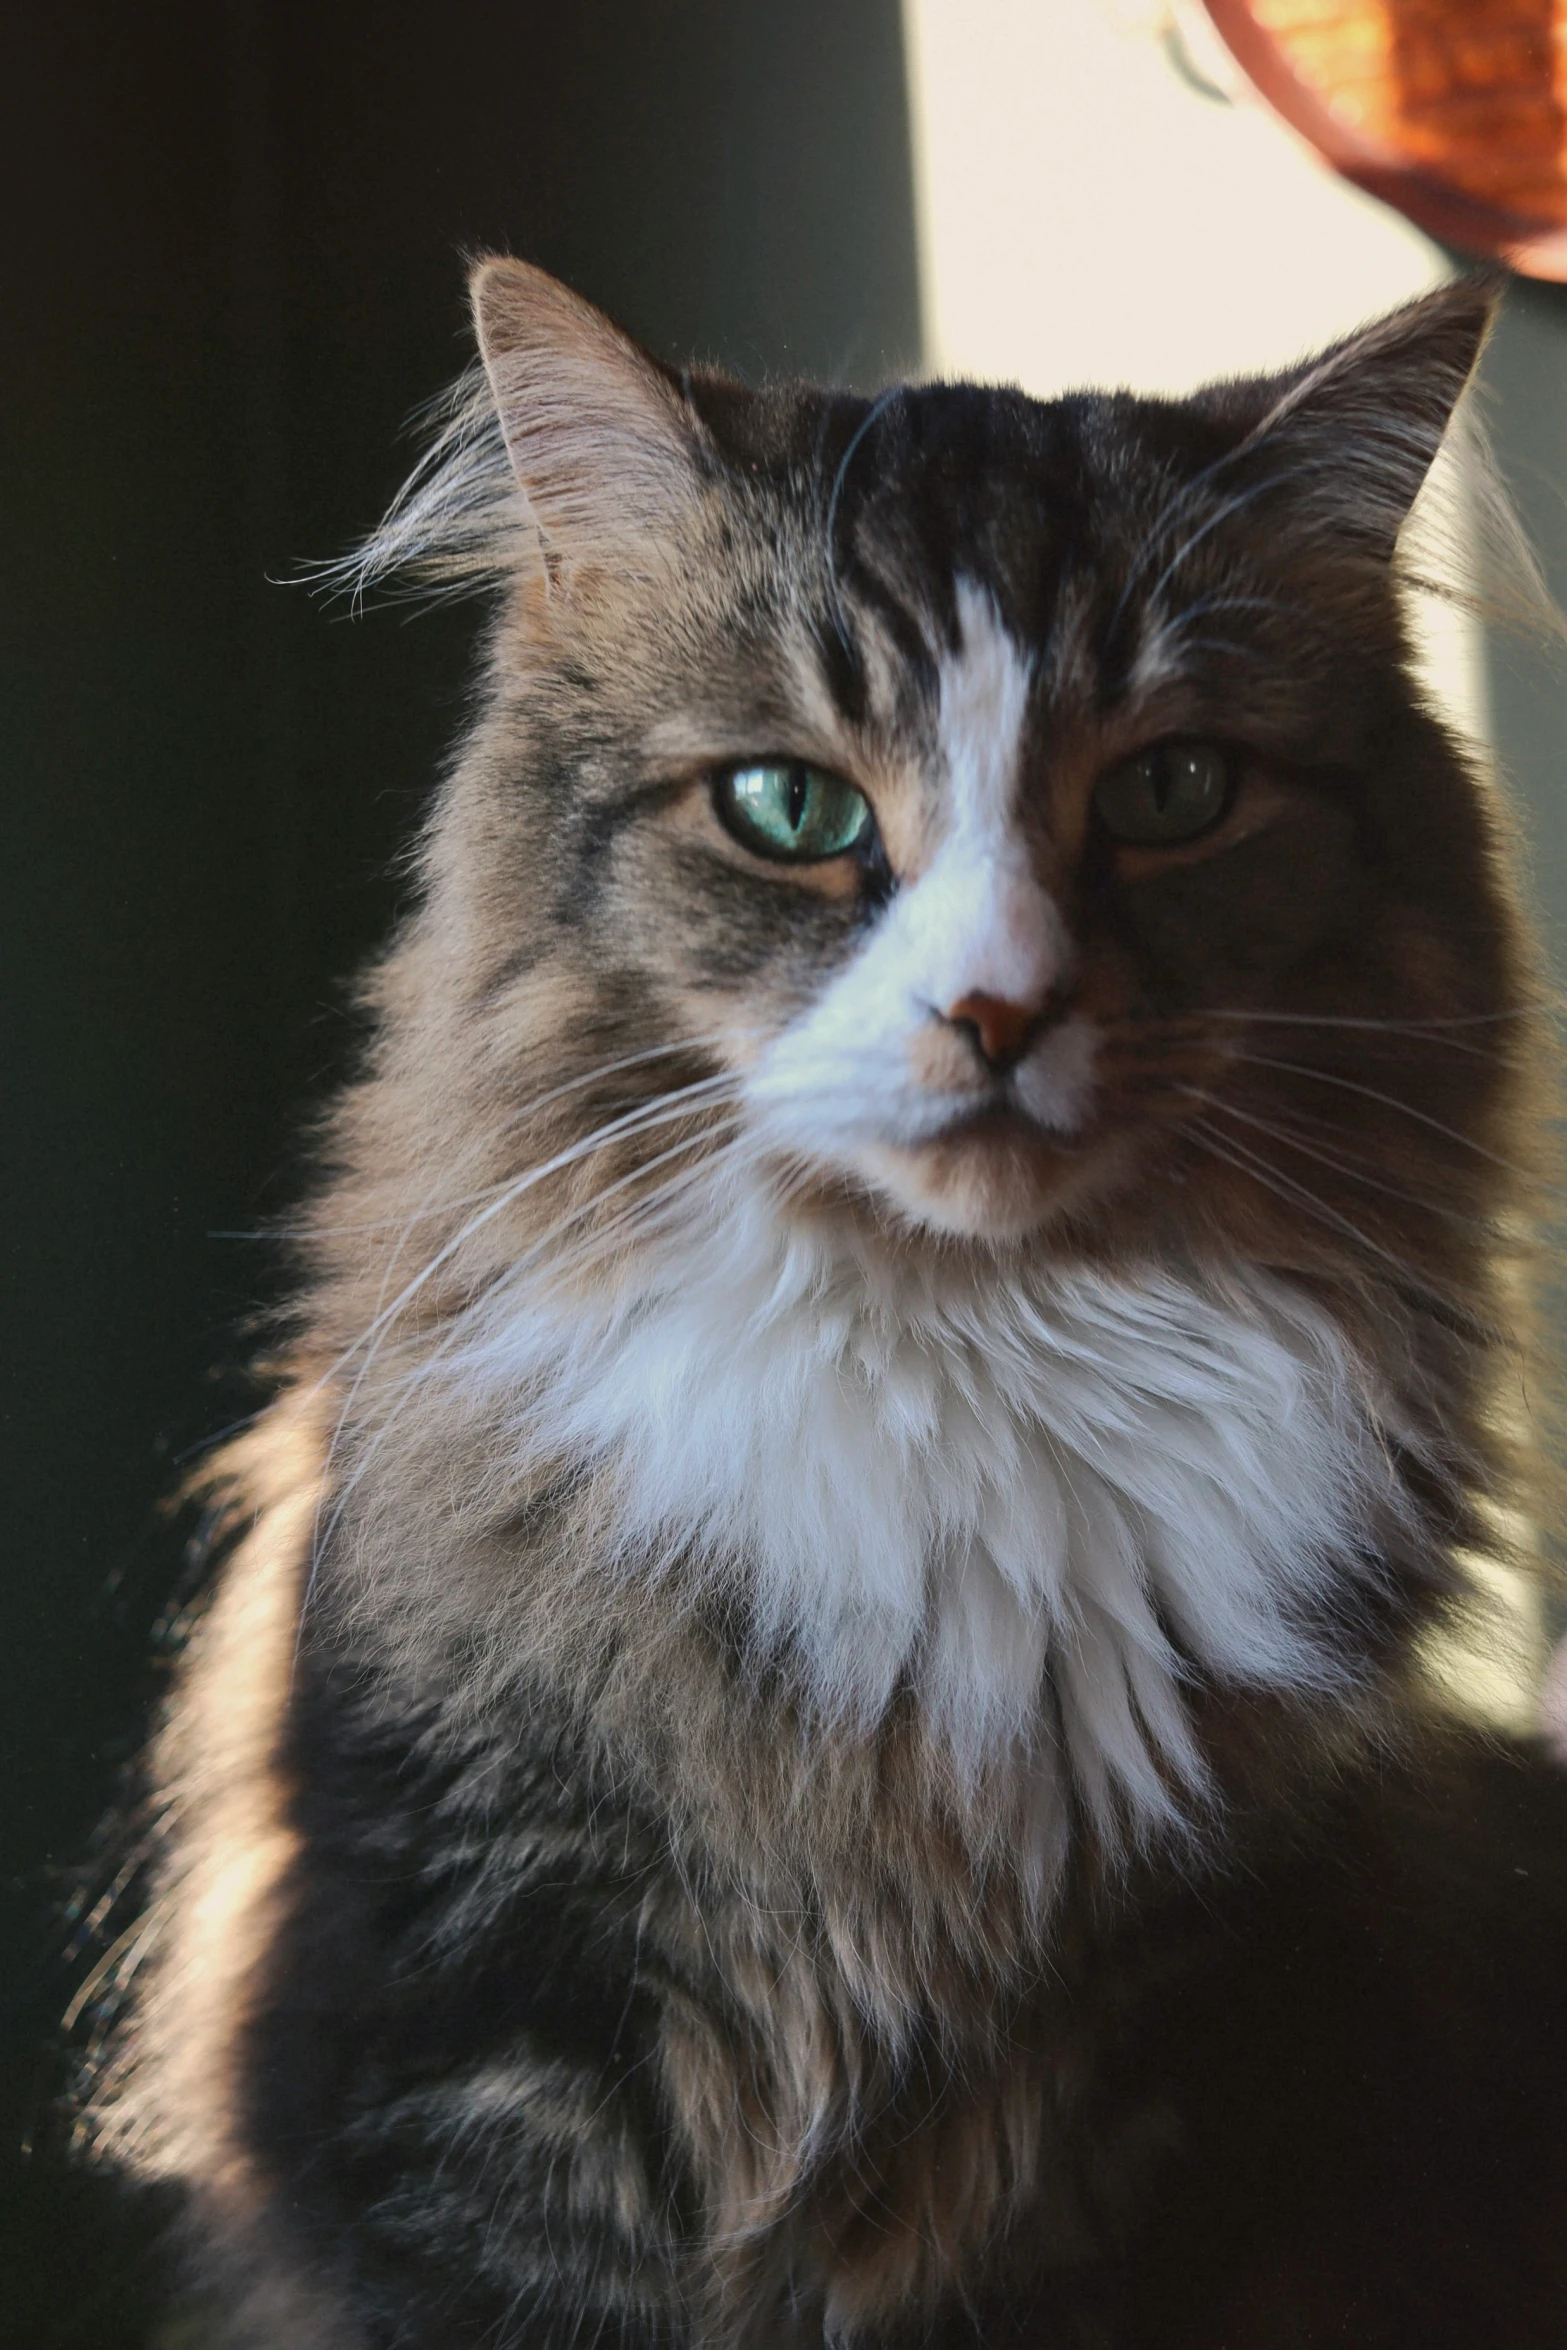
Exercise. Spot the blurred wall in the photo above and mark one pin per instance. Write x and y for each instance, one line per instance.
(1524, 385)
(1102, 198)
(229, 267)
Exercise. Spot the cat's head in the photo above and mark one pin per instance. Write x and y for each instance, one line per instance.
(1015, 820)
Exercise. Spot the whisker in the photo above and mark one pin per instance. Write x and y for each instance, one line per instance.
(1437, 1030)
(1370, 1032)
(1294, 1141)
(873, 415)
(420, 1374)
(473, 1199)
(1371, 1021)
(1259, 1170)
(1227, 603)
(1171, 515)
(1390, 1101)
(659, 1111)
(635, 1216)
(664, 1110)
(1221, 644)
(1236, 503)
(530, 1109)
(639, 1216)
(558, 1093)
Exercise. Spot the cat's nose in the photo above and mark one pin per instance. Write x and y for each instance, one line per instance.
(1000, 1030)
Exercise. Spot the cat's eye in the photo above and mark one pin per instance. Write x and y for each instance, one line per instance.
(1167, 794)
(787, 809)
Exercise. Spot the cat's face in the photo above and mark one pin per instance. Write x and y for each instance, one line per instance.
(1020, 811)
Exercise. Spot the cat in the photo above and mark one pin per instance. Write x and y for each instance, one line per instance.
(815, 1729)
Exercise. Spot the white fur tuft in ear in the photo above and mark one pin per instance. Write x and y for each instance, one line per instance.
(1350, 435)
(566, 439)
(604, 450)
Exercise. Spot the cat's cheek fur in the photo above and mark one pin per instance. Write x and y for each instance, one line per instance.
(1264, 904)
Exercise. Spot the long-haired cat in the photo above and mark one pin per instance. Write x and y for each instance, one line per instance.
(815, 1727)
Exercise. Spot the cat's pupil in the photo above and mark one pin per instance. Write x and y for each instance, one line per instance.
(1165, 795)
(784, 808)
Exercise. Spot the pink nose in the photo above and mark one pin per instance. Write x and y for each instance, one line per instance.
(1002, 1028)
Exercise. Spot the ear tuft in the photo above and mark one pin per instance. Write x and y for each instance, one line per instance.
(606, 453)
(1360, 425)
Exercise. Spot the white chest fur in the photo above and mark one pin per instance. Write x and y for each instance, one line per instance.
(1055, 1483)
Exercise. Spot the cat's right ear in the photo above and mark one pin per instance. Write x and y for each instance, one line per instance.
(606, 453)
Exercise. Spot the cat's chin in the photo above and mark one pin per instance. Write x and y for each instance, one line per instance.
(999, 1178)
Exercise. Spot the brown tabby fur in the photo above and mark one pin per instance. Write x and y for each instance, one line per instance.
(924, 2044)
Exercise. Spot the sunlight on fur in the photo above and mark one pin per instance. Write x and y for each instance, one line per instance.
(821, 1724)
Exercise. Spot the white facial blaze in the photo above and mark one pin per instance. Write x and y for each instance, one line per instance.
(979, 918)
(976, 921)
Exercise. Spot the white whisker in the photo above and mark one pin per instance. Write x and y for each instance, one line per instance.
(519, 1117)
(1248, 1162)
(659, 1111)
(665, 1109)
(1294, 1140)
(421, 1373)
(1436, 1025)
(1389, 1101)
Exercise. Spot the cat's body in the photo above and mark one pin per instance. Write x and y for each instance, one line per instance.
(818, 1727)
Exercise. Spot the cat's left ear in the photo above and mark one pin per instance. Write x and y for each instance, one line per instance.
(605, 451)
(1350, 436)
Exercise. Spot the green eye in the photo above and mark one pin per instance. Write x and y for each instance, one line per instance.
(783, 808)
(1168, 794)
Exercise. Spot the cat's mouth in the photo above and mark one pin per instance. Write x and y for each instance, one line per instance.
(954, 1153)
(992, 1171)
(1001, 1122)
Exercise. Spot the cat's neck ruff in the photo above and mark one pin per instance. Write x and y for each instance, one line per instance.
(1047, 1500)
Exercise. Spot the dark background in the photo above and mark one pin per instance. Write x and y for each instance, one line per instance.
(230, 267)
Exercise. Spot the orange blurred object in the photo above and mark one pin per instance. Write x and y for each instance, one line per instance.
(1455, 111)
